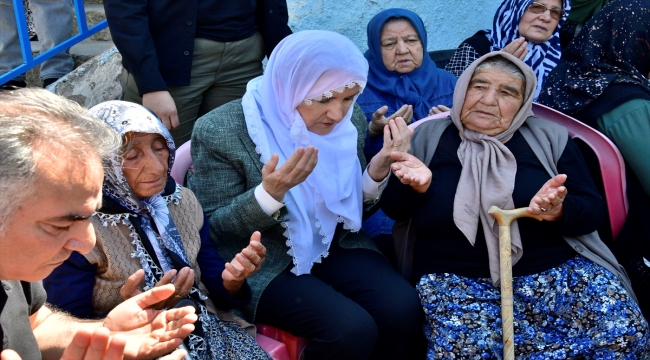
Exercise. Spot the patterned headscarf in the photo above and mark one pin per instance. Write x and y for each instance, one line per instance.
(213, 338)
(541, 57)
(305, 67)
(612, 48)
(125, 117)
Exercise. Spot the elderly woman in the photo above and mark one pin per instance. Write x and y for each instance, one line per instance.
(571, 298)
(608, 88)
(402, 81)
(155, 229)
(527, 29)
(288, 161)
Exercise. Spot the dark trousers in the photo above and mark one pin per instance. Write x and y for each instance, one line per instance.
(353, 305)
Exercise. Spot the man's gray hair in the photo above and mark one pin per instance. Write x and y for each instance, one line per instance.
(34, 118)
(501, 63)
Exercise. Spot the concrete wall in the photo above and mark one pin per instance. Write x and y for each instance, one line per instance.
(448, 22)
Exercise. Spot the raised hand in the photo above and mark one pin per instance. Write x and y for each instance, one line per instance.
(244, 264)
(163, 105)
(295, 170)
(517, 47)
(397, 138)
(411, 171)
(97, 344)
(379, 121)
(438, 109)
(150, 333)
(182, 280)
(548, 201)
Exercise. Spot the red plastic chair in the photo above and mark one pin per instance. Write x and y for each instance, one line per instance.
(280, 344)
(610, 160)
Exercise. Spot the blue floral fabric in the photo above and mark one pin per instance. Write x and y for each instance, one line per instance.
(576, 310)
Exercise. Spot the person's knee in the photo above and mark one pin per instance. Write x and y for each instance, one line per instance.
(351, 336)
(401, 310)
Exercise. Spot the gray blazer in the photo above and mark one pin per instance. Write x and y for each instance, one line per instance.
(226, 172)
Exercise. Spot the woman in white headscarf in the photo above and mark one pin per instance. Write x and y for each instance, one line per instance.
(288, 160)
(571, 297)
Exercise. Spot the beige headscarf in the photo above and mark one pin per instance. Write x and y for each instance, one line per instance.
(489, 168)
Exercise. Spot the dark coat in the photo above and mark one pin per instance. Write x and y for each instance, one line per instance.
(156, 38)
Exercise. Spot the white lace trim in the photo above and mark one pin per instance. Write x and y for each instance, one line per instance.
(330, 93)
(175, 197)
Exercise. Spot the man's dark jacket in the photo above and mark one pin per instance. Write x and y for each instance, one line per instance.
(156, 37)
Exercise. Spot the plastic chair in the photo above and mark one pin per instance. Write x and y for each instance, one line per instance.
(415, 124)
(280, 344)
(182, 163)
(295, 345)
(610, 161)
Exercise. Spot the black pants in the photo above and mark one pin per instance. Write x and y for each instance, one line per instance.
(352, 306)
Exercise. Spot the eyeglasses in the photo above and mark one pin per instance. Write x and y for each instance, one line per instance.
(539, 8)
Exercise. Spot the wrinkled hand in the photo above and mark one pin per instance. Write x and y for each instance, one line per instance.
(150, 333)
(183, 282)
(244, 264)
(517, 48)
(397, 138)
(411, 171)
(438, 109)
(163, 105)
(550, 198)
(295, 170)
(379, 121)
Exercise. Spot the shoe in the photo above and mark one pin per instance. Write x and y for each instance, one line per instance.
(13, 85)
(49, 81)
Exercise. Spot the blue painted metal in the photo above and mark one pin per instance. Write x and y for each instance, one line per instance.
(30, 62)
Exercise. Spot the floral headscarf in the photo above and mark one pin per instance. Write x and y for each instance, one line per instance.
(125, 117)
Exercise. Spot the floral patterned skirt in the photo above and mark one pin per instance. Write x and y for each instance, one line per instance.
(576, 310)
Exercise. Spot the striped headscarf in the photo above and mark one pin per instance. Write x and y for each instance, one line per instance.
(541, 57)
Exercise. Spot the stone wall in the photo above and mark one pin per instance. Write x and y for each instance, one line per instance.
(448, 23)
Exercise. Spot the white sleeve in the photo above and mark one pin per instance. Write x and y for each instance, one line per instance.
(371, 189)
(266, 201)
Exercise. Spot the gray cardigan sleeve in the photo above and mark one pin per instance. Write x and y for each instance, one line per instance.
(227, 170)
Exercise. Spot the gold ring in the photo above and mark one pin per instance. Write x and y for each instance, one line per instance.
(178, 297)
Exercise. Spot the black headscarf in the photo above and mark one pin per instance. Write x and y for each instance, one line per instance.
(612, 50)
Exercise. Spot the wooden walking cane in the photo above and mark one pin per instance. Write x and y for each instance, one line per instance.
(505, 218)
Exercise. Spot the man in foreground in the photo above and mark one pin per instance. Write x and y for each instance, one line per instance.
(51, 154)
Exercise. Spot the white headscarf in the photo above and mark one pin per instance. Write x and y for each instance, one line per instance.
(307, 66)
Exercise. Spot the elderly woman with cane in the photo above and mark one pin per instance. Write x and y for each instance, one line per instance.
(571, 298)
